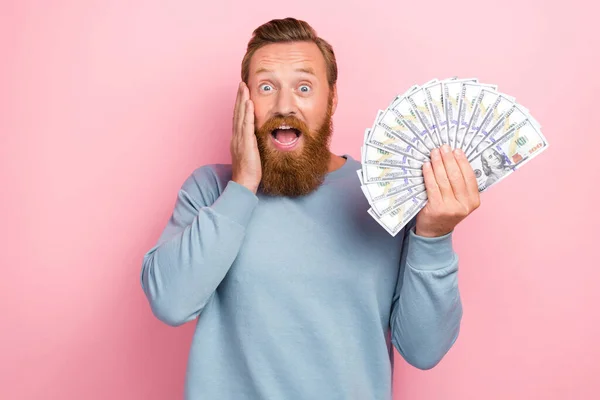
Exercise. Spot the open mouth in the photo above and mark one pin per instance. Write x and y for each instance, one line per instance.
(285, 136)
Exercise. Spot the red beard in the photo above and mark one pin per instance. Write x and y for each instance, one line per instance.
(300, 171)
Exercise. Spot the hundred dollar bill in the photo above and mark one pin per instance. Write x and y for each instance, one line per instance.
(359, 172)
(519, 145)
(375, 156)
(490, 107)
(384, 190)
(376, 173)
(389, 131)
(400, 96)
(381, 136)
(430, 82)
(435, 98)
(451, 94)
(514, 116)
(395, 220)
(421, 108)
(384, 206)
(408, 116)
(469, 95)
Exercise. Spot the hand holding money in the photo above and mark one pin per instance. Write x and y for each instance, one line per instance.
(246, 166)
(452, 191)
(403, 174)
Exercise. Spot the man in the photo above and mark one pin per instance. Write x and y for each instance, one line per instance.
(298, 293)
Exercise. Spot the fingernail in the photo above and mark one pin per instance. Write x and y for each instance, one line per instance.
(426, 164)
(435, 153)
(459, 152)
(446, 148)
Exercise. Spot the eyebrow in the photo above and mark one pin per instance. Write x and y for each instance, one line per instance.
(306, 70)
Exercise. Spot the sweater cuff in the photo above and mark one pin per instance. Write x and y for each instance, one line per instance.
(425, 253)
(236, 203)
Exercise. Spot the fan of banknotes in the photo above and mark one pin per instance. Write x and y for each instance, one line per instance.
(497, 135)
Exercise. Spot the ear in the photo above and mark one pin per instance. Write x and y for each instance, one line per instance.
(334, 100)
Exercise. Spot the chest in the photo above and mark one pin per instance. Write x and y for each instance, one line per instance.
(306, 246)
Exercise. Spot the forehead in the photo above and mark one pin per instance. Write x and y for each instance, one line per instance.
(286, 57)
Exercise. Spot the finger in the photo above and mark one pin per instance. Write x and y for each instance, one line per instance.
(439, 171)
(455, 176)
(242, 109)
(248, 124)
(431, 187)
(468, 173)
(236, 108)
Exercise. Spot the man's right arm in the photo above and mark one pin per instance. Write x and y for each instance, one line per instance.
(204, 235)
(196, 249)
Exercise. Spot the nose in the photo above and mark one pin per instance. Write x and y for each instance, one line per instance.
(286, 103)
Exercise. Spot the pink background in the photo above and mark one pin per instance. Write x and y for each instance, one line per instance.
(107, 106)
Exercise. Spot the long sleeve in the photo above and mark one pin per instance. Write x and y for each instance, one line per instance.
(196, 249)
(426, 308)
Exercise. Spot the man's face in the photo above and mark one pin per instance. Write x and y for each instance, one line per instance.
(293, 107)
(494, 160)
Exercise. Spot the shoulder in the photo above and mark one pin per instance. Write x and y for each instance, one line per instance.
(350, 173)
(353, 163)
(206, 183)
(347, 183)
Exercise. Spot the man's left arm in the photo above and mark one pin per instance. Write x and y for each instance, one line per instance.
(426, 308)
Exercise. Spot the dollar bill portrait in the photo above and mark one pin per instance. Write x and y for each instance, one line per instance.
(494, 166)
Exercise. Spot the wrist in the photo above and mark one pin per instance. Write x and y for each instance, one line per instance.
(247, 183)
(430, 253)
(430, 233)
(236, 203)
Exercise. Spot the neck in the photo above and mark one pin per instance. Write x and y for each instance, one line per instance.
(335, 162)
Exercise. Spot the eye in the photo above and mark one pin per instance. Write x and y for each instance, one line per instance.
(304, 88)
(266, 87)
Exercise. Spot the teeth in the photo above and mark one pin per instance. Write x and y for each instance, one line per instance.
(287, 144)
(284, 127)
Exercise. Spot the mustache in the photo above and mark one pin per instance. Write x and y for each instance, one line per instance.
(278, 120)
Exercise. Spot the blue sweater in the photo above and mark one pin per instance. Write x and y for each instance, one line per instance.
(298, 298)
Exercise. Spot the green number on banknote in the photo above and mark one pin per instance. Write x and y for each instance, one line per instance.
(522, 140)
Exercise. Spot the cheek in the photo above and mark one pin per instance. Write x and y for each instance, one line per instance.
(261, 112)
(314, 111)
